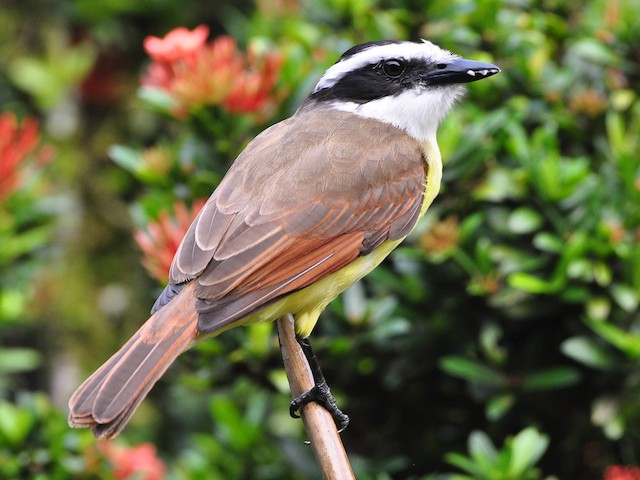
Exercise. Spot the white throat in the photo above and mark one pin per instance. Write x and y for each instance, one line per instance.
(418, 111)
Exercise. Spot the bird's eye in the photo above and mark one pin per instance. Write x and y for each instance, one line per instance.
(393, 68)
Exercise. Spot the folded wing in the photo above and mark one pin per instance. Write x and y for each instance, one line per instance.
(297, 205)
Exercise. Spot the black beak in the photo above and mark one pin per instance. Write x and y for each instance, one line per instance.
(460, 70)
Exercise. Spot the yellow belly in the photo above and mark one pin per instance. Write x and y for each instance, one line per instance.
(308, 303)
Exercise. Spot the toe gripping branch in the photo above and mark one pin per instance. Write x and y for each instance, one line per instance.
(320, 393)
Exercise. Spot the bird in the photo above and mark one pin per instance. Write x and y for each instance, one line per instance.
(309, 207)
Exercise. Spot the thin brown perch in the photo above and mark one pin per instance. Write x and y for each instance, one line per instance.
(318, 422)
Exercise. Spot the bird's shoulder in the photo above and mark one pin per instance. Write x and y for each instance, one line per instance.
(328, 152)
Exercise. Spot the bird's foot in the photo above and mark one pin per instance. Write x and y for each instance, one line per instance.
(321, 394)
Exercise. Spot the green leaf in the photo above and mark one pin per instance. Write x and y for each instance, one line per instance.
(616, 132)
(233, 426)
(602, 273)
(470, 370)
(77, 64)
(482, 450)
(499, 406)
(547, 242)
(501, 184)
(34, 77)
(23, 243)
(12, 305)
(471, 224)
(128, 158)
(260, 337)
(50, 78)
(627, 342)
(594, 52)
(529, 283)
(587, 351)
(279, 380)
(524, 220)
(15, 424)
(552, 378)
(16, 360)
(157, 98)
(466, 464)
(622, 99)
(625, 296)
(490, 340)
(526, 449)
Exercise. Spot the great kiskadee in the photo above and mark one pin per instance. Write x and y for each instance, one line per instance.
(312, 205)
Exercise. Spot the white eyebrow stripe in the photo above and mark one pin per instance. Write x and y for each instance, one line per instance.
(373, 55)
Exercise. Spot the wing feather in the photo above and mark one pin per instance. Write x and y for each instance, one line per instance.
(270, 284)
(211, 226)
(299, 203)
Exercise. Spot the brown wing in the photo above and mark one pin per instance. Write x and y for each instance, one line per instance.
(297, 205)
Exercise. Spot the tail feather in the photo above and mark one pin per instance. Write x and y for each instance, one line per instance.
(108, 398)
(81, 402)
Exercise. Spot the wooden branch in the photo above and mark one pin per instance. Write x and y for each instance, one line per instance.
(318, 422)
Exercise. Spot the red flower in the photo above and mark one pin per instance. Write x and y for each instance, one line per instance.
(161, 239)
(208, 77)
(195, 73)
(18, 142)
(139, 463)
(617, 472)
(252, 91)
(177, 44)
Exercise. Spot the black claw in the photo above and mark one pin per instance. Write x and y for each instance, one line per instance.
(320, 392)
(322, 395)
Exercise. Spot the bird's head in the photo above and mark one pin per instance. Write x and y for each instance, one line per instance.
(411, 85)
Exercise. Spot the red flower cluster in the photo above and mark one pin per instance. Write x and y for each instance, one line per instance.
(139, 462)
(617, 472)
(18, 147)
(194, 72)
(160, 241)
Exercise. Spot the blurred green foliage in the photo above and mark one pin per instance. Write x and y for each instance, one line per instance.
(25, 230)
(36, 444)
(512, 308)
(516, 460)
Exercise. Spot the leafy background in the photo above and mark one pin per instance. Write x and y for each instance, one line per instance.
(501, 341)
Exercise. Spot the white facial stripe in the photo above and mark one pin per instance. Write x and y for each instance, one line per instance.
(407, 50)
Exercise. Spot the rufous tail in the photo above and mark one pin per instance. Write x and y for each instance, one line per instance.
(108, 398)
